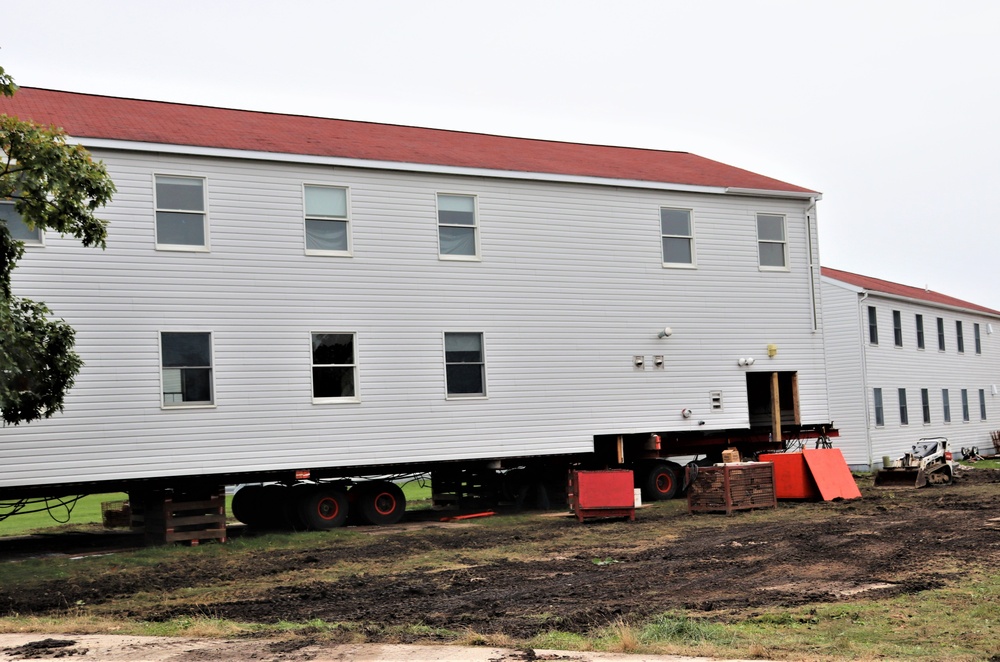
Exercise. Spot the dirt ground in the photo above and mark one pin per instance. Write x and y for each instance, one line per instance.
(890, 542)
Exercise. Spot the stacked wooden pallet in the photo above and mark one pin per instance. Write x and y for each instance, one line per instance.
(729, 487)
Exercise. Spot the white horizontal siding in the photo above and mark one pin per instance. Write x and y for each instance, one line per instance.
(890, 368)
(569, 288)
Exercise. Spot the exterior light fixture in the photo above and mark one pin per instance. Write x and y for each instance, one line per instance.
(748, 361)
(665, 332)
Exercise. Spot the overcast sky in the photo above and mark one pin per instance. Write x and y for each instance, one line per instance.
(891, 109)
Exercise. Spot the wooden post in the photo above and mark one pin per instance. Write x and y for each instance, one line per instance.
(621, 450)
(775, 408)
(795, 398)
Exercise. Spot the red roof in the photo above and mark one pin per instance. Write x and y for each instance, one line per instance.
(895, 289)
(92, 116)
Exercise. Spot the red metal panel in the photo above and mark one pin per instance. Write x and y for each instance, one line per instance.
(832, 476)
(605, 489)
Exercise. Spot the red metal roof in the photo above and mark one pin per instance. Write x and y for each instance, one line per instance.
(895, 289)
(92, 116)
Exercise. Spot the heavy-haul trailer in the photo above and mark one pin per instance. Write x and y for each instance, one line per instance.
(308, 302)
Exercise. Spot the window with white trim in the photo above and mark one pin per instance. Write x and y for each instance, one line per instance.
(920, 331)
(940, 330)
(965, 405)
(946, 405)
(180, 213)
(772, 248)
(465, 364)
(904, 417)
(872, 325)
(897, 328)
(186, 362)
(18, 229)
(458, 230)
(677, 237)
(977, 338)
(960, 336)
(334, 367)
(925, 405)
(982, 404)
(328, 230)
(879, 408)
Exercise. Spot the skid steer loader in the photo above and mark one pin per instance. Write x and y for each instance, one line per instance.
(929, 463)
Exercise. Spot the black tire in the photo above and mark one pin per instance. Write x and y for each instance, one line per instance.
(380, 502)
(660, 482)
(322, 507)
(260, 506)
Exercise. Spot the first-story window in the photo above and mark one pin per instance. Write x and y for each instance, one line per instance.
(771, 244)
(180, 213)
(879, 409)
(327, 225)
(925, 404)
(677, 236)
(946, 404)
(334, 366)
(465, 365)
(18, 229)
(965, 405)
(457, 227)
(982, 404)
(904, 417)
(186, 360)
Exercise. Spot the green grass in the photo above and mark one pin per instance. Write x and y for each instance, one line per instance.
(86, 511)
(982, 464)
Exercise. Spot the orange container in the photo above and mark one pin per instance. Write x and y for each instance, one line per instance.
(792, 478)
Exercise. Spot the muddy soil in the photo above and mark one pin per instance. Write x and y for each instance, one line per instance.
(887, 543)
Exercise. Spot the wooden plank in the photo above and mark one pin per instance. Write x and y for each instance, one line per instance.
(795, 398)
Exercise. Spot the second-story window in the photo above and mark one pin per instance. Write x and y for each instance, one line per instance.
(458, 237)
(327, 224)
(771, 244)
(677, 236)
(180, 213)
(920, 331)
(940, 330)
(977, 338)
(872, 325)
(18, 229)
(897, 328)
(960, 338)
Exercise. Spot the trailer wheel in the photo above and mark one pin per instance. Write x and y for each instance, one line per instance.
(323, 507)
(660, 483)
(380, 502)
(259, 506)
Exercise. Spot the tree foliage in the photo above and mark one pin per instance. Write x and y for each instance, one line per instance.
(59, 187)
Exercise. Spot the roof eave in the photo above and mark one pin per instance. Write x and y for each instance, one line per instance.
(196, 150)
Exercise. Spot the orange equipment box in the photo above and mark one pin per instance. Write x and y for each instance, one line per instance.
(792, 478)
(608, 493)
